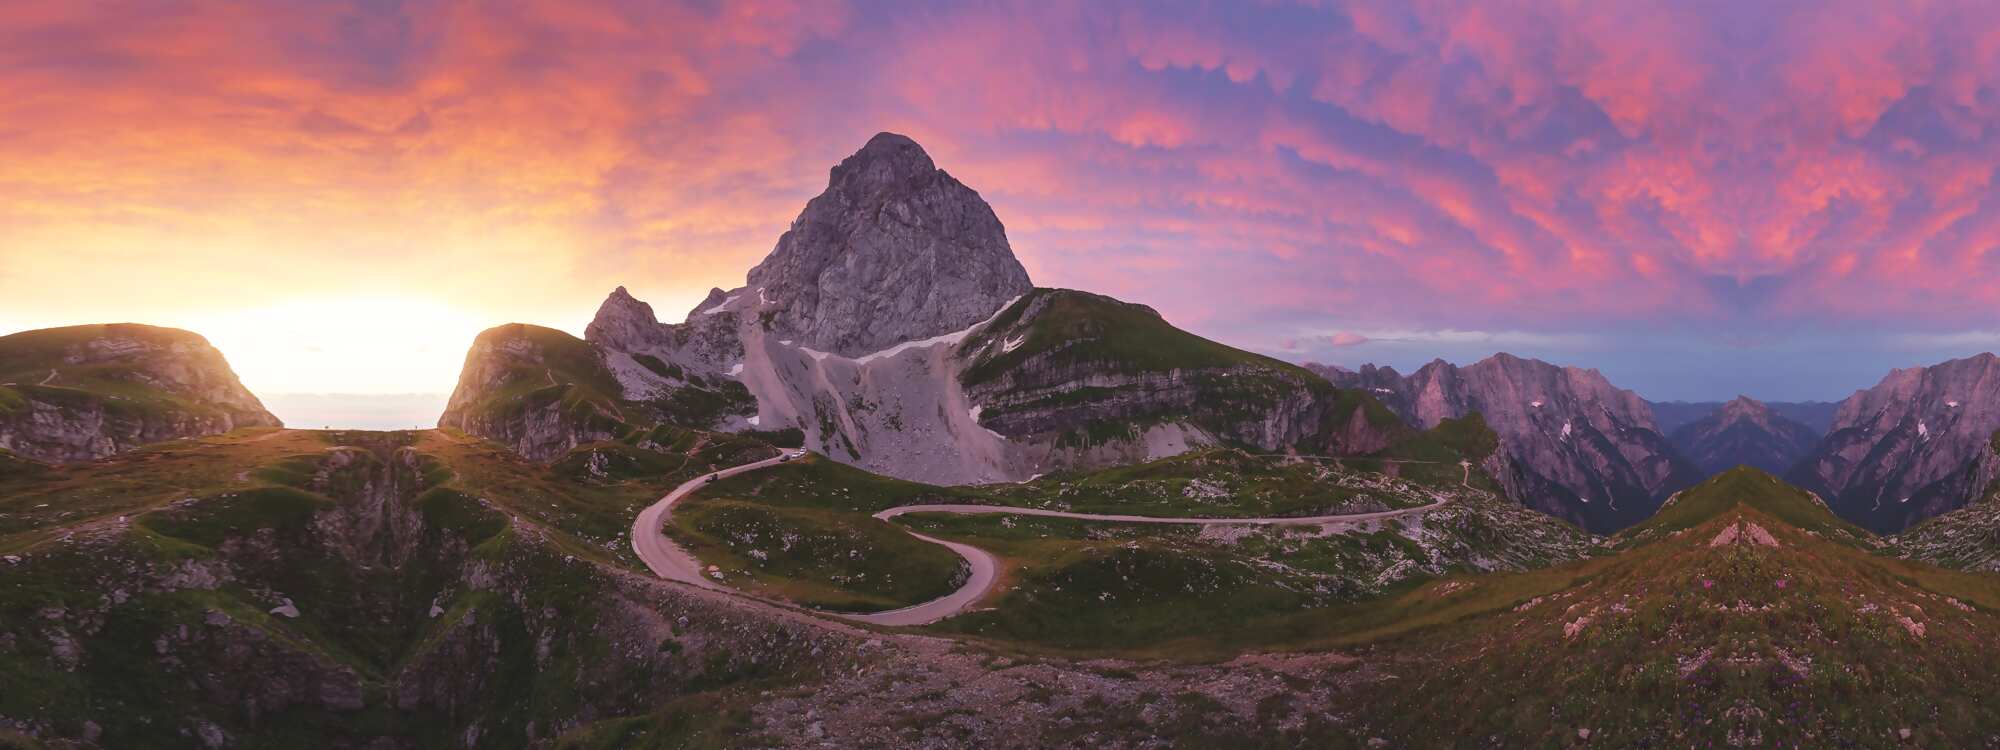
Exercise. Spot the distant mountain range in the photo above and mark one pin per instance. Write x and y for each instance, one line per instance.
(1744, 432)
(1572, 445)
(1673, 415)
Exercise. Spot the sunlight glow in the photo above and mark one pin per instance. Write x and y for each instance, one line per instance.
(349, 345)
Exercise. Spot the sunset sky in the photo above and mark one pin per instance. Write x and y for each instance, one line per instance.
(1699, 198)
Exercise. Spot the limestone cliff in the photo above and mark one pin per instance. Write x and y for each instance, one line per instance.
(1895, 453)
(1572, 444)
(895, 250)
(86, 392)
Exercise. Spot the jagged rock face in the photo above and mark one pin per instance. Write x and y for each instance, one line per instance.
(1572, 445)
(537, 390)
(895, 250)
(1968, 537)
(893, 328)
(86, 392)
(1897, 452)
(1744, 432)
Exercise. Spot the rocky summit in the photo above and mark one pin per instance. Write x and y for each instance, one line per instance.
(893, 329)
(1911, 447)
(1744, 432)
(86, 392)
(1572, 444)
(895, 250)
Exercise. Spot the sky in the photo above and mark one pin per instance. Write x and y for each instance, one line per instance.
(1700, 199)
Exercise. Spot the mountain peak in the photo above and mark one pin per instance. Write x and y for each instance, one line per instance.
(1744, 407)
(887, 157)
(623, 321)
(894, 250)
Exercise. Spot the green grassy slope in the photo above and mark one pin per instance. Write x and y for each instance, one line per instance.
(1700, 634)
(293, 588)
(791, 532)
(1026, 363)
(28, 359)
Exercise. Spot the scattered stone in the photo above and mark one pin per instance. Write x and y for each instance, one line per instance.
(1572, 629)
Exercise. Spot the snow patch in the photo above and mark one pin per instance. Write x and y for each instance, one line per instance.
(1923, 431)
(1013, 343)
(753, 421)
(1951, 404)
(761, 298)
(1565, 435)
(949, 338)
(726, 302)
(735, 369)
(1536, 404)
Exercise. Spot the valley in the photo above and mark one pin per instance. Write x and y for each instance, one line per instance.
(891, 493)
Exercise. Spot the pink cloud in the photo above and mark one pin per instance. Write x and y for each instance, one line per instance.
(1523, 163)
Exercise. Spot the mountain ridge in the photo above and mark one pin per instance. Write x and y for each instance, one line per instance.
(1568, 435)
(1746, 432)
(893, 329)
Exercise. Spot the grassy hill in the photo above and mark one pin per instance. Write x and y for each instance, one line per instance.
(1745, 615)
(1086, 370)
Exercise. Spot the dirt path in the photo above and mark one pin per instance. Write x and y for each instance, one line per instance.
(669, 561)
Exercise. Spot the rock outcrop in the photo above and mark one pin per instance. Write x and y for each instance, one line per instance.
(1571, 444)
(1744, 432)
(537, 390)
(1907, 449)
(86, 392)
(894, 330)
(895, 250)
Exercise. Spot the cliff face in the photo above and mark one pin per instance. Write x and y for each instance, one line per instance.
(1571, 444)
(1744, 432)
(86, 392)
(539, 391)
(894, 330)
(895, 250)
(1895, 453)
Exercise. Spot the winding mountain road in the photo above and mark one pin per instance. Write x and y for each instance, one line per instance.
(667, 560)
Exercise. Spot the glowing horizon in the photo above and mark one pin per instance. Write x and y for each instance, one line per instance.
(1700, 199)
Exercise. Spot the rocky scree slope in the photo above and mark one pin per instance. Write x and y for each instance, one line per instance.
(1571, 444)
(1900, 452)
(892, 329)
(86, 392)
(1744, 432)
